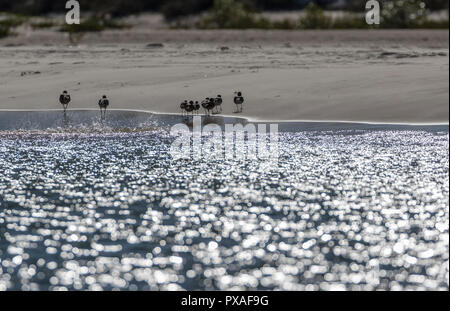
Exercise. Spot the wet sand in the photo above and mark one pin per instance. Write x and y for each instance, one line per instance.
(360, 76)
(128, 121)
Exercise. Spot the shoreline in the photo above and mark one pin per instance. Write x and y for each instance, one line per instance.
(138, 121)
(247, 119)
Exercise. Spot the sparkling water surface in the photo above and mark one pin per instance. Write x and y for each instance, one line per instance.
(102, 209)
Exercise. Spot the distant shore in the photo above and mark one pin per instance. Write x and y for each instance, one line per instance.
(385, 76)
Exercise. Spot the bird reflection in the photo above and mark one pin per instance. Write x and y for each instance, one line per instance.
(65, 120)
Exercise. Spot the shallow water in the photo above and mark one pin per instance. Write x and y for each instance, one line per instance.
(347, 207)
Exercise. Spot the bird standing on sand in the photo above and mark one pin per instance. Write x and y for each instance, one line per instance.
(64, 99)
(196, 107)
(239, 101)
(205, 104)
(218, 103)
(190, 107)
(211, 105)
(103, 103)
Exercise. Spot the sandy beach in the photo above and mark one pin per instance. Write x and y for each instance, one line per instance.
(362, 76)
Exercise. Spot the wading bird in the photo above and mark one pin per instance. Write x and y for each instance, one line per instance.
(183, 107)
(211, 105)
(205, 105)
(218, 104)
(239, 101)
(196, 107)
(103, 103)
(64, 99)
(190, 107)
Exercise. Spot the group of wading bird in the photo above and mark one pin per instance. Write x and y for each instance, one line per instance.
(65, 99)
(210, 105)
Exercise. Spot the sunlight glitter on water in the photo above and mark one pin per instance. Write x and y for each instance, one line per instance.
(342, 210)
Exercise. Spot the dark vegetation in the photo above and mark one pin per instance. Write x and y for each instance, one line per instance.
(99, 15)
(4, 31)
(43, 24)
(173, 9)
(233, 14)
(93, 24)
(9, 23)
